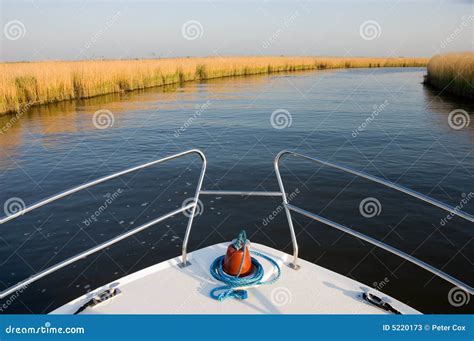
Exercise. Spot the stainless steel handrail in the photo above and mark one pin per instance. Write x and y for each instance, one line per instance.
(387, 183)
(289, 207)
(243, 193)
(125, 235)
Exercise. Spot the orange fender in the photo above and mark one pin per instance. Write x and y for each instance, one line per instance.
(232, 261)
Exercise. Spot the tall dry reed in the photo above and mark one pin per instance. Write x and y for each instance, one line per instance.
(452, 72)
(23, 84)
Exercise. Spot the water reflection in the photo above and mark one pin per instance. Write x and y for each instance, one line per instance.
(41, 124)
(11, 138)
(439, 105)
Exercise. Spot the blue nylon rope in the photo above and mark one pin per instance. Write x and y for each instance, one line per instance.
(235, 285)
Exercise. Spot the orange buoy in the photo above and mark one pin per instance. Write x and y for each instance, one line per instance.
(233, 258)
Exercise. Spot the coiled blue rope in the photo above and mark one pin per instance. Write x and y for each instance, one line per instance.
(235, 285)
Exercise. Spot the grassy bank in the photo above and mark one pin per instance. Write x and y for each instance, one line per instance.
(452, 72)
(24, 84)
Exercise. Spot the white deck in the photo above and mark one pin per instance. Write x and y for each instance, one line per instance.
(167, 289)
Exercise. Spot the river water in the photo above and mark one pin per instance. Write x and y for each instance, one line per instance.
(381, 121)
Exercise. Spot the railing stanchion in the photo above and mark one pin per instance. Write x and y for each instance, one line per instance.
(184, 260)
(294, 265)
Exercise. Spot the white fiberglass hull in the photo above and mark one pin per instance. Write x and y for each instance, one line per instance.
(165, 288)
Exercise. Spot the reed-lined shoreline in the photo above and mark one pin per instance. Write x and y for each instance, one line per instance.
(453, 73)
(33, 83)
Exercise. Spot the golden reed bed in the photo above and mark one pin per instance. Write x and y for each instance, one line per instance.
(453, 73)
(26, 84)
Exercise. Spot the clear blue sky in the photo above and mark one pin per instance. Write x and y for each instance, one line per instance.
(85, 29)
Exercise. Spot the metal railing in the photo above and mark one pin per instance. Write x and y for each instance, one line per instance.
(289, 207)
(191, 206)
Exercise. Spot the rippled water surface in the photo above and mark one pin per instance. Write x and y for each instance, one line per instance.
(381, 121)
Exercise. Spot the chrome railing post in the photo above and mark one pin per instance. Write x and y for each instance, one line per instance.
(184, 260)
(294, 265)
